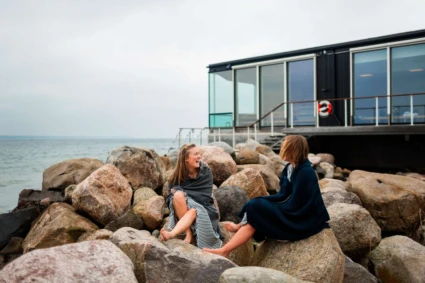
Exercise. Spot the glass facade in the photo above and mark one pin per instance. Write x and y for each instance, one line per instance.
(301, 88)
(221, 99)
(246, 96)
(271, 94)
(408, 77)
(394, 73)
(370, 79)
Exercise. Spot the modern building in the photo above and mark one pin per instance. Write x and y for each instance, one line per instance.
(363, 101)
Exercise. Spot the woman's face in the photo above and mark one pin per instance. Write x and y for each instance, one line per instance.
(193, 158)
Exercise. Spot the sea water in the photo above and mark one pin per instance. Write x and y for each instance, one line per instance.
(24, 159)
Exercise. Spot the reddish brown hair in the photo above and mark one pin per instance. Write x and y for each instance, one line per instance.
(294, 148)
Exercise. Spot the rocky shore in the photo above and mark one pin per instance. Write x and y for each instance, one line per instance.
(96, 222)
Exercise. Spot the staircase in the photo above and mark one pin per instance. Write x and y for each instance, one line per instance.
(274, 141)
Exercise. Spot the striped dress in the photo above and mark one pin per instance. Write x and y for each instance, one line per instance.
(202, 228)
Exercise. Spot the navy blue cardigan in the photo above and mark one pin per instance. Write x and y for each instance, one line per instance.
(296, 212)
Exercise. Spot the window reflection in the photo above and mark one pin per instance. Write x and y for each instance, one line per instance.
(407, 77)
(301, 88)
(221, 99)
(271, 91)
(246, 96)
(370, 79)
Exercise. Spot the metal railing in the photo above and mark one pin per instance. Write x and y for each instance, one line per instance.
(255, 129)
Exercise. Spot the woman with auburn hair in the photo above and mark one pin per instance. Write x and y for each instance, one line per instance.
(296, 212)
(190, 201)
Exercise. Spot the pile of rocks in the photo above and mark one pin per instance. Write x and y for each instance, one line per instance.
(100, 222)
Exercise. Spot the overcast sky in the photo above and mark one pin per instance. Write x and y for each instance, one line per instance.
(138, 68)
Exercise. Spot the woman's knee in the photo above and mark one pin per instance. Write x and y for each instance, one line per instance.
(179, 197)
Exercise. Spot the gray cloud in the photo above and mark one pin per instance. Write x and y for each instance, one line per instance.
(137, 68)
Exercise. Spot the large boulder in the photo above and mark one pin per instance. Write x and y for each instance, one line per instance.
(246, 156)
(226, 147)
(326, 157)
(398, 259)
(221, 163)
(69, 172)
(128, 219)
(393, 201)
(265, 150)
(317, 258)
(356, 231)
(58, 225)
(250, 180)
(151, 211)
(326, 182)
(143, 194)
(91, 261)
(331, 197)
(170, 261)
(230, 200)
(140, 166)
(105, 195)
(254, 274)
(16, 224)
(269, 176)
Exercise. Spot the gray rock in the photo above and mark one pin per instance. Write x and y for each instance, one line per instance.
(398, 259)
(356, 231)
(355, 273)
(227, 148)
(13, 247)
(16, 224)
(230, 200)
(140, 166)
(33, 198)
(317, 258)
(128, 219)
(340, 196)
(254, 274)
(91, 261)
(69, 172)
(170, 261)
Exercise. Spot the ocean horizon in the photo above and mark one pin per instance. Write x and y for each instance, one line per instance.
(23, 159)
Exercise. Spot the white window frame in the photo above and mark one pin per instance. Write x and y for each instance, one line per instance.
(284, 62)
(382, 46)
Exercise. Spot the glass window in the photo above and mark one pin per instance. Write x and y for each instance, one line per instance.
(271, 93)
(301, 88)
(370, 79)
(408, 77)
(221, 99)
(246, 96)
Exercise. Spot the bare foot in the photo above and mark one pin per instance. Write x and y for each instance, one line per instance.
(217, 251)
(189, 237)
(165, 235)
(232, 227)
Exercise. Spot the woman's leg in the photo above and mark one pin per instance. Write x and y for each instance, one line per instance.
(180, 209)
(241, 237)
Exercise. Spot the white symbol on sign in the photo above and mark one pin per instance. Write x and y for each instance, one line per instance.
(324, 108)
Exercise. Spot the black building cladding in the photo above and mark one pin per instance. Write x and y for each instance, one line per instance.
(371, 82)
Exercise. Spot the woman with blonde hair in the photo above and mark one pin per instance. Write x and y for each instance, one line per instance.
(295, 213)
(190, 201)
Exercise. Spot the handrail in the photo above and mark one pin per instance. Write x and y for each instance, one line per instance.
(330, 99)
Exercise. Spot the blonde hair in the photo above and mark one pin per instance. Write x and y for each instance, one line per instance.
(294, 148)
(180, 173)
